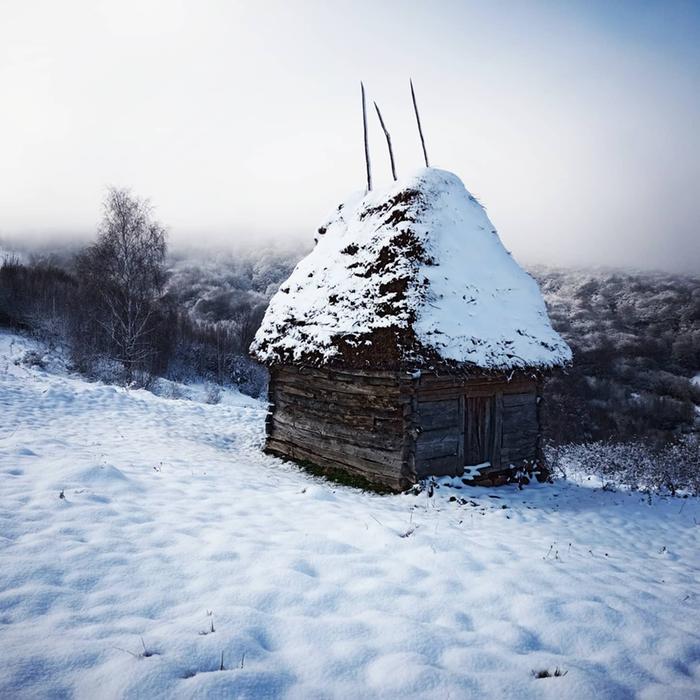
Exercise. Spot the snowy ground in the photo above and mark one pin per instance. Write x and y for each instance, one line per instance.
(177, 531)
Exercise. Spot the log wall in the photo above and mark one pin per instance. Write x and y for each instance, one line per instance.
(469, 421)
(395, 428)
(355, 421)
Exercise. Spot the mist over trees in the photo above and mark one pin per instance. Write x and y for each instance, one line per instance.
(636, 344)
(128, 311)
(628, 410)
(635, 336)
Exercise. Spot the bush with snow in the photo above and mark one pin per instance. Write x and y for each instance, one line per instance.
(672, 468)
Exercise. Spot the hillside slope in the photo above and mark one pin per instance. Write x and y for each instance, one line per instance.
(176, 537)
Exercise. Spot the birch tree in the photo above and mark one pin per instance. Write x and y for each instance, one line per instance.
(123, 272)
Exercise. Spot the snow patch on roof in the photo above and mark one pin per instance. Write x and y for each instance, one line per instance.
(410, 275)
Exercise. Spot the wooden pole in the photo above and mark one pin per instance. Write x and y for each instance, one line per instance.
(420, 130)
(364, 124)
(388, 142)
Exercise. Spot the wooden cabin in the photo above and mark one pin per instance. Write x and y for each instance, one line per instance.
(409, 343)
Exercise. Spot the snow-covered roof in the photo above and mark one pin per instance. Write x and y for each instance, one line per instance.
(410, 276)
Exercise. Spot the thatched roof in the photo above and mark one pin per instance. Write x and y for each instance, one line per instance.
(409, 277)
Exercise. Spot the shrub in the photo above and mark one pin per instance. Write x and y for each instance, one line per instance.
(670, 468)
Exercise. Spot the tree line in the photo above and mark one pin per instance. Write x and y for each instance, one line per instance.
(111, 305)
(129, 310)
(636, 344)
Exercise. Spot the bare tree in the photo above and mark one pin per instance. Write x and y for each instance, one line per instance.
(124, 273)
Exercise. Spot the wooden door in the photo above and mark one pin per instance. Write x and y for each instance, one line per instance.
(521, 429)
(479, 429)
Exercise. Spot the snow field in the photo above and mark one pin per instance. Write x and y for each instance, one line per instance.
(174, 523)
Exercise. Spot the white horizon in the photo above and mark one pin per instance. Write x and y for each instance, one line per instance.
(576, 128)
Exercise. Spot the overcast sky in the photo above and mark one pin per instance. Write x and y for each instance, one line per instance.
(576, 125)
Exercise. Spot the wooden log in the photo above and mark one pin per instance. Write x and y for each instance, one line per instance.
(409, 398)
(338, 430)
(514, 430)
(431, 381)
(320, 384)
(539, 452)
(523, 409)
(519, 400)
(491, 469)
(439, 434)
(439, 466)
(420, 129)
(333, 402)
(321, 389)
(284, 388)
(310, 438)
(366, 137)
(437, 443)
(518, 424)
(318, 397)
(390, 376)
(357, 412)
(388, 379)
(327, 458)
(438, 414)
(437, 393)
(438, 407)
(370, 471)
(523, 412)
(497, 431)
(338, 455)
(388, 142)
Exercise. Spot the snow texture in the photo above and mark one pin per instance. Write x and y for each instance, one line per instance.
(176, 530)
(420, 258)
